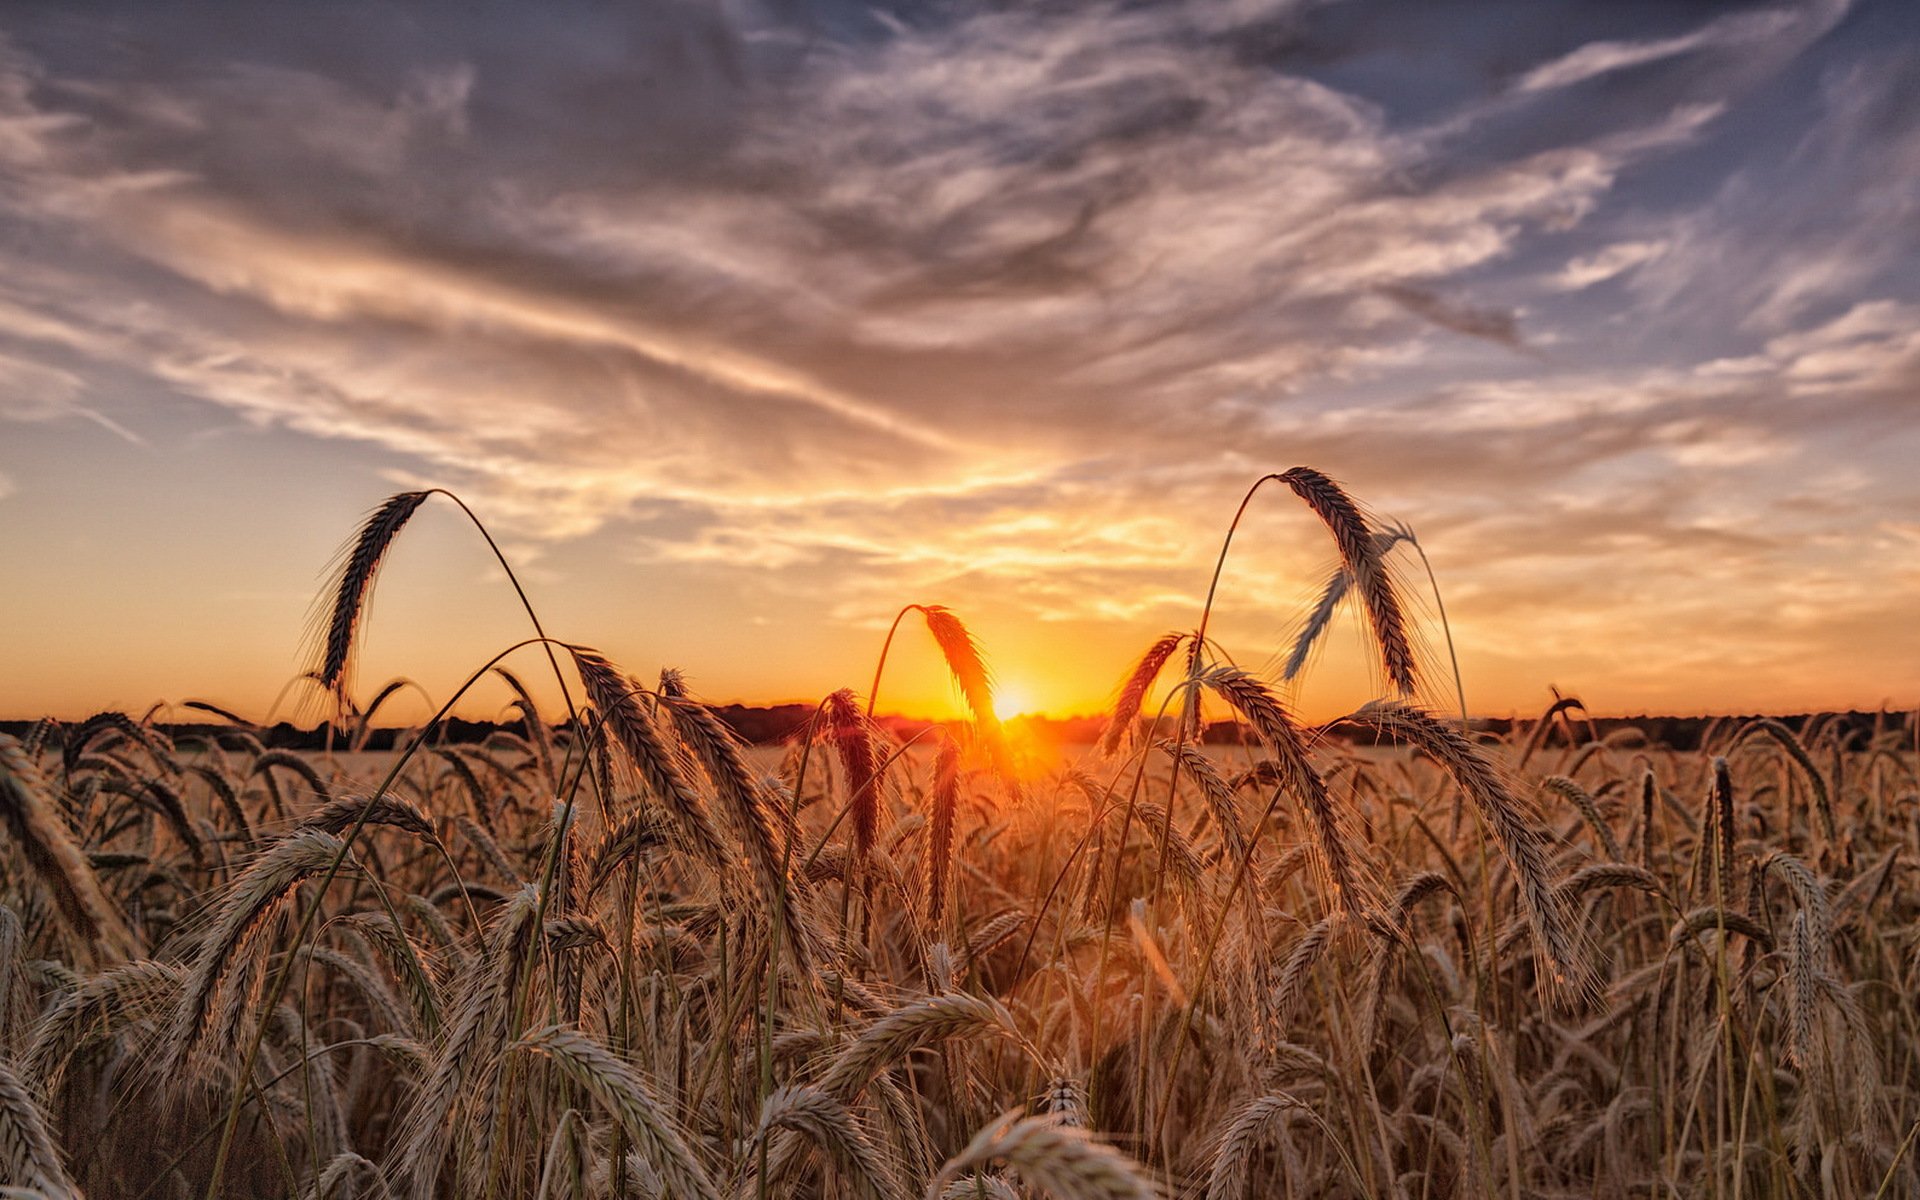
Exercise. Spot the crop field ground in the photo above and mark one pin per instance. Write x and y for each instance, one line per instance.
(613, 952)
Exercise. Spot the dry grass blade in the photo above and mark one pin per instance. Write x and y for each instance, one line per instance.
(1361, 558)
(1065, 1163)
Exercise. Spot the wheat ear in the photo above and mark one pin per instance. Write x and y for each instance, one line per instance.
(253, 898)
(826, 1122)
(1361, 558)
(1255, 702)
(1506, 819)
(1066, 1163)
(619, 707)
(621, 1090)
(29, 1159)
(1133, 692)
(358, 567)
(36, 825)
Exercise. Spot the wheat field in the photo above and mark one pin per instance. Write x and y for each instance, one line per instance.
(614, 952)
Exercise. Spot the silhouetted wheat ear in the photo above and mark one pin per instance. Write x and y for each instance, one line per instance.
(1361, 557)
(358, 568)
(1507, 819)
(1133, 692)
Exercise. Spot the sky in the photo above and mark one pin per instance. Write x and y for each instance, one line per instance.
(743, 325)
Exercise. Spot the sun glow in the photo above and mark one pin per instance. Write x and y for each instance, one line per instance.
(1012, 699)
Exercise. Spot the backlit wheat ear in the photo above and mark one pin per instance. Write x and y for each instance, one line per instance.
(854, 739)
(1133, 692)
(1338, 586)
(964, 661)
(748, 808)
(1506, 819)
(358, 568)
(34, 823)
(1361, 557)
(1221, 805)
(1065, 1163)
(633, 729)
(1343, 874)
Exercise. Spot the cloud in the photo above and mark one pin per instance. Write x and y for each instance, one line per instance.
(1608, 263)
(1725, 33)
(1002, 303)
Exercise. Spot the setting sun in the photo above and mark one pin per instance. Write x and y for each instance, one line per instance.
(1012, 698)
